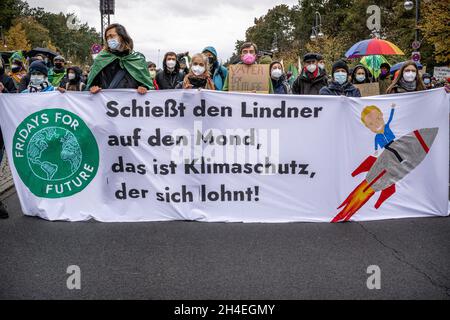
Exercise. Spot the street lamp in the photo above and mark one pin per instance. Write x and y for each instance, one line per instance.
(316, 31)
(409, 5)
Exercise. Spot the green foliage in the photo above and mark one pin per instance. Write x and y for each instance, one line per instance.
(344, 23)
(49, 30)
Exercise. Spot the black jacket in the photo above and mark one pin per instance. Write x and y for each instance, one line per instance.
(335, 89)
(305, 85)
(166, 79)
(8, 83)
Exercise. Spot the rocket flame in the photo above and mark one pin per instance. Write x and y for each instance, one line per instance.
(354, 201)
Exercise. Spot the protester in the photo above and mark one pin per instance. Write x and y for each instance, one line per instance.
(279, 80)
(73, 80)
(170, 76)
(248, 53)
(360, 75)
(426, 78)
(311, 78)
(118, 66)
(38, 73)
(321, 63)
(198, 76)
(6, 82)
(384, 80)
(340, 86)
(218, 72)
(408, 79)
(183, 59)
(57, 73)
(152, 70)
(18, 68)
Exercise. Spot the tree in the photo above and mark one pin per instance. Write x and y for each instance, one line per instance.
(38, 35)
(16, 38)
(435, 25)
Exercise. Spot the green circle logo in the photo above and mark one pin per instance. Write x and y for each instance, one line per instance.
(55, 153)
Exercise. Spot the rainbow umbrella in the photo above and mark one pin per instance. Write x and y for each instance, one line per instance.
(373, 63)
(372, 47)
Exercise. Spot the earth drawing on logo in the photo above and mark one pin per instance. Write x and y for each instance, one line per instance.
(54, 154)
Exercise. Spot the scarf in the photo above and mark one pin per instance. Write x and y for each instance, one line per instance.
(202, 81)
(32, 88)
(134, 63)
(408, 86)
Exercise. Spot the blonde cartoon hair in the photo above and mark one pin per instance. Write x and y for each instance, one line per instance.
(368, 110)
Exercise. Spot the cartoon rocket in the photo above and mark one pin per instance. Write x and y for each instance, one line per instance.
(398, 159)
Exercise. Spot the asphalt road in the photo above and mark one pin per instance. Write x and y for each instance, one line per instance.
(192, 260)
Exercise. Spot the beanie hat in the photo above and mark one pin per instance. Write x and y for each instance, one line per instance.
(38, 66)
(340, 64)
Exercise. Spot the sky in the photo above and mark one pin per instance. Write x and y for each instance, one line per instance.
(174, 25)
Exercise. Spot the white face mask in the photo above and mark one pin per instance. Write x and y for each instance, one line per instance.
(71, 76)
(311, 68)
(171, 64)
(409, 76)
(37, 79)
(321, 66)
(276, 73)
(360, 77)
(198, 70)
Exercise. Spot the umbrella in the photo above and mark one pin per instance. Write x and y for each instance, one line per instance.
(49, 53)
(373, 63)
(372, 47)
(397, 66)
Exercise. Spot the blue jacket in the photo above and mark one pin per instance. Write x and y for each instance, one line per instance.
(335, 89)
(220, 72)
(382, 139)
(219, 76)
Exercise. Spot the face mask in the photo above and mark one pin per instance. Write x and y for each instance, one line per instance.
(198, 70)
(360, 78)
(311, 68)
(37, 79)
(384, 72)
(321, 66)
(409, 76)
(276, 73)
(15, 68)
(58, 65)
(153, 74)
(171, 64)
(427, 81)
(71, 76)
(248, 58)
(113, 44)
(340, 77)
(211, 60)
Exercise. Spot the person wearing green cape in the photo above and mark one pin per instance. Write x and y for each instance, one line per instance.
(118, 66)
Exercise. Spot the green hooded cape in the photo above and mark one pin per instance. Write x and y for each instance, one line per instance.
(134, 63)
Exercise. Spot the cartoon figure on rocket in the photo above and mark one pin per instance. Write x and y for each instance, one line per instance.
(398, 159)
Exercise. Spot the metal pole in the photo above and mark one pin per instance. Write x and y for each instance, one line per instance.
(417, 19)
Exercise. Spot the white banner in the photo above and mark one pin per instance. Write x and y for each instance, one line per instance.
(217, 156)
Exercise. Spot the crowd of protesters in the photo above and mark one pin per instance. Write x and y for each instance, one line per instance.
(119, 66)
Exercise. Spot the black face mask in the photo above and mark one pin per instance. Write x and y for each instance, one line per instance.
(16, 69)
(211, 61)
(59, 66)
